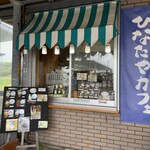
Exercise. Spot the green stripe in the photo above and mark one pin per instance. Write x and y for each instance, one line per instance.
(81, 17)
(102, 34)
(58, 19)
(74, 35)
(105, 14)
(26, 40)
(87, 36)
(48, 39)
(49, 17)
(26, 25)
(69, 19)
(61, 39)
(114, 31)
(92, 16)
(116, 12)
(36, 23)
(37, 40)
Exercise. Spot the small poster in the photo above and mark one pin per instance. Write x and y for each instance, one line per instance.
(32, 98)
(92, 77)
(20, 102)
(42, 98)
(42, 124)
(35, 111)
(8, 113)
(9, 103)
(81, 76)
(19, 113)
(24, 124)
(11, 124)
(41, 89)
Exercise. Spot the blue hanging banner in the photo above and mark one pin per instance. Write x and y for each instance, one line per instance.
(135, 65)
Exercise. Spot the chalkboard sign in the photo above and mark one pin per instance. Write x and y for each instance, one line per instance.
(24, 109)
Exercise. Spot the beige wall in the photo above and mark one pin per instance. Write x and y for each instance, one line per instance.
(82, 130)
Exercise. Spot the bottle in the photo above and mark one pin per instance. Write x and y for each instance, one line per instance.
(112, 95)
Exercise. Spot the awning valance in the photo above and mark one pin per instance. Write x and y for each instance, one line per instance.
(89, 23)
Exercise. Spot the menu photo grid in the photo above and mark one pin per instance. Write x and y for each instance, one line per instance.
(20, 105)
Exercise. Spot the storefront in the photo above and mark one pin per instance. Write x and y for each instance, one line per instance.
(75, 53)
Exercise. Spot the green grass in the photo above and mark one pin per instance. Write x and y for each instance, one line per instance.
(5, 81)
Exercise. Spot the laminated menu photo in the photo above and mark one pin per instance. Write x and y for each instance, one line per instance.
(42, 124)
(42, 98)
(19, 113)
(11, 124)
(8, 113)
(24, 124)
(35, 111)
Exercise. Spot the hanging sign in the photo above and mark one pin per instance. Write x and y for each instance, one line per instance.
(135, 65)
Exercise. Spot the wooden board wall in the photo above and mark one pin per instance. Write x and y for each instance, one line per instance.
(49, 62)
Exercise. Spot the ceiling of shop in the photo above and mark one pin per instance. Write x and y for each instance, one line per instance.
(33, 6)
(4, 2)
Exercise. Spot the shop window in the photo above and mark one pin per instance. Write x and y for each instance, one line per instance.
(82, 78)
(6, 32)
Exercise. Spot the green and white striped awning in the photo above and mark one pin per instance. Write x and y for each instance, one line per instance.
(89, 23)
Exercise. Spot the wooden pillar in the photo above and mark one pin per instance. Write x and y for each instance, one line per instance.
(16, 54)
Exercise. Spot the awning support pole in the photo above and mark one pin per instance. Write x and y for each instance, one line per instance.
(16, 54)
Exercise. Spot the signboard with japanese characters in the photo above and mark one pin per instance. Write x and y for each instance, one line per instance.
(135, 65)
(24, 109)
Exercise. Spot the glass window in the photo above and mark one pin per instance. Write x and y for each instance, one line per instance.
(53, 71)
(87, 77)
(6, 32)
(93, 73)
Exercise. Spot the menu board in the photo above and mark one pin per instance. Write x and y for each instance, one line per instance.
(89, 90)
(24, 109)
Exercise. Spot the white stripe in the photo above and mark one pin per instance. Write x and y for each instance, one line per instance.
(112, 11)
(109, 33)
(32, 40)
(42, 22)
(80, 37)
(62, 20)
(29, 27)
(52, 21)
(99, 13)
(94, 35)
(42, 39)
(75, 18)
(86, 17)
(67, 37)
(21, 40)
(54, 38)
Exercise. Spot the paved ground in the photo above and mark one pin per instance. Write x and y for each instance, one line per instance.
(43, 147)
